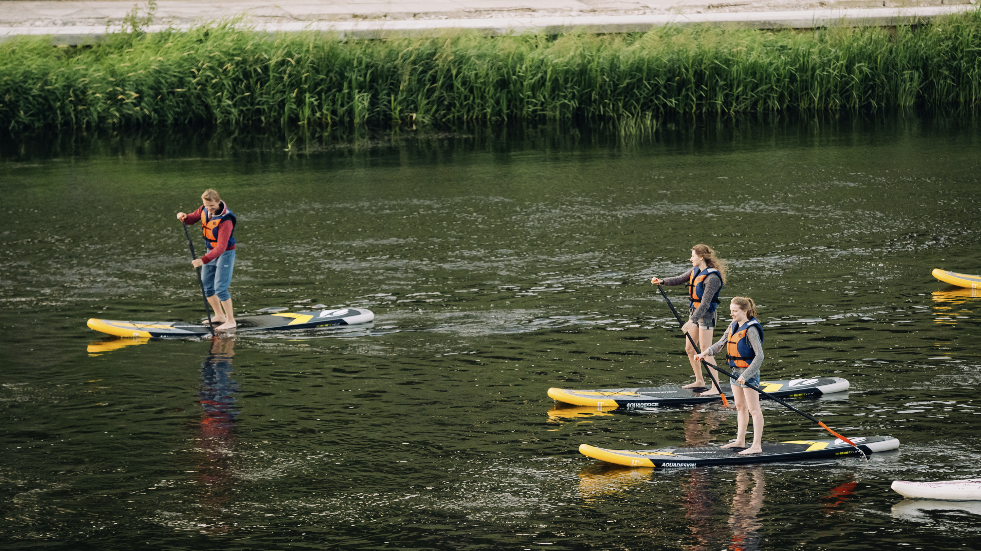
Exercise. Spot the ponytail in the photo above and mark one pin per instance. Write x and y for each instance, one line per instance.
(747, 305)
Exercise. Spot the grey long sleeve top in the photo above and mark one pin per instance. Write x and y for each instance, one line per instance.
(754, 341)
(712, 285)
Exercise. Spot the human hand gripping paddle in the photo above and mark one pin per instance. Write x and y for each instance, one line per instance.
(725, 403)
(758, 389)
(190, 244)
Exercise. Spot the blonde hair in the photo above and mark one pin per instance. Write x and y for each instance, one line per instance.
(708, 255)
(210, 195)
(747, 305)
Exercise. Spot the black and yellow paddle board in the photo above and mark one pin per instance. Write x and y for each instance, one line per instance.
(284, 321)
(674, 395)
(796, 450)
(960, 280)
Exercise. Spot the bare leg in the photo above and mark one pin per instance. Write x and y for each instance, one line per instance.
(742, 417)
(696, 366)
(705, 341)
(219, 317)
(752, 400)
(229, 324)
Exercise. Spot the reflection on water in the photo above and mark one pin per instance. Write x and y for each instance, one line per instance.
(703, 500)
(947, 304)
(746, 505)
(216, 436)
(938, 511)
(96, 348)
(567, 412)
(700, 424)
(956, 295)
(838, 496)
(600, 480)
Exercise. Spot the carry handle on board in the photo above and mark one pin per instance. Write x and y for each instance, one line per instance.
(760, 391)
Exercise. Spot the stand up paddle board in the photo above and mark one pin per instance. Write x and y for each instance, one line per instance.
(271, 322)
(674, 395)
(947, 490)
(797, 450)
(960, 280)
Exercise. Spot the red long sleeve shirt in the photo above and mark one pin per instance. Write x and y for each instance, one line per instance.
(224, 234)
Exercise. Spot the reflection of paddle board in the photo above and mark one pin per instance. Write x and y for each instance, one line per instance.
(797, 450)
(674, 395)
(949, 490)
(97, 348)
(918, 509)
(271, 322)
(602, 479)
(565, 412)
(961, 280)
(958, 295)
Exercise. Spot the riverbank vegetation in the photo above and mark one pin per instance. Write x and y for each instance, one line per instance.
(222, 75)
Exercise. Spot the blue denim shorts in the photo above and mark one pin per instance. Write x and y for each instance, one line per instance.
(217, 275)
(736, 372)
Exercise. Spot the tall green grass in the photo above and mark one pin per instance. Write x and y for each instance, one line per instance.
(221, 75)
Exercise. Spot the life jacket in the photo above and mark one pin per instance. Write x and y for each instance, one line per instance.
(696, 287)
(209, 225)
(738, 350)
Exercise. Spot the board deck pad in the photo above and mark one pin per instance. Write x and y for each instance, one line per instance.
(269, 322)
(960, 280)
(796, 450)
(674, 395)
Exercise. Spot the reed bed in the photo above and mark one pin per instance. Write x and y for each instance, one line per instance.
(222, 75)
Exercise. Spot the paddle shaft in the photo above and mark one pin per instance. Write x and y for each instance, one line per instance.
(207, 309)
(725, 403)
(757, 389)
(792, 408)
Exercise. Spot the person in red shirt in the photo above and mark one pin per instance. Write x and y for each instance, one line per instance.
(218, 226)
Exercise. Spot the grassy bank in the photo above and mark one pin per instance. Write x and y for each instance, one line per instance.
(222, 76)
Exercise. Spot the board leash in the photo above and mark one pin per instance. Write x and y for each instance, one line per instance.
(761, 392)
(725, 403)
(211, 326)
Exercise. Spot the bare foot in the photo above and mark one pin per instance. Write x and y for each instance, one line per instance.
(750, 451)
(734, 445)
(213, 320)
(710, 392)
(227, 326)
(696, 384)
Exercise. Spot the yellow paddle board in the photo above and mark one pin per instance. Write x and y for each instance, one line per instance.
(960, 280)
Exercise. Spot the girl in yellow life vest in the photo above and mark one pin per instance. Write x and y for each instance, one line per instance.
(743, 343)
(218, 226)
(705, 280)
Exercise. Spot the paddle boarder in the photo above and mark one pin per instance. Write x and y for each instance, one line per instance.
(705, 280)
(743, 343)
(218, 227)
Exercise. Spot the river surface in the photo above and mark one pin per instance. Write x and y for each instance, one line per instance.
(499, 262)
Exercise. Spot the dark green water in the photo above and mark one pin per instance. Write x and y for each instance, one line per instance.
(499, 263)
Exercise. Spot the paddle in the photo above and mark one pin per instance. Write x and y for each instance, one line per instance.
(725, 403)
(760, 391)
(207, 310)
